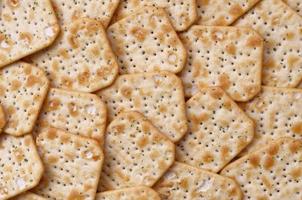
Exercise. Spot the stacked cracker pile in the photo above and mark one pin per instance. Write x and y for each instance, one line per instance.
(150, 99)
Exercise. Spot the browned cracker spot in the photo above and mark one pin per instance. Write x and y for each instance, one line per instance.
(281, 28)
(78, 113)
(136, 153)
(134, 193)
(191, 183)
(159, 96)
(218, 130)
(2, 119)
(222, 13)
(81, 58)
(20, 166)
(295, 4)
(229, 57)
(146, 41)
(181, 13)
(28, 196)
(23, 88)
(25, 27)
(273, 172)
(72, 165)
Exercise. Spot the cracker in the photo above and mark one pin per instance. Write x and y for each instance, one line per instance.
(273, 172)
(23, 88)
(222, 13)
(2, 119)
(295, 5)
(229, 57)
(101, 10)
(182, 13)
(277, 113)
(75, 112)
(134, 193)
(25, 27)
(28, 196)
(81, 59)
(72, 165)
(281, 29)
(136, 153)
(159, 96)
(300, 85)
(218, 130)
(20, 166)
(191, 183)
(146, 41)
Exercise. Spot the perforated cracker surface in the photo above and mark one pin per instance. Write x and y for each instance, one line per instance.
(146, 41)
(281, 29)
(228, 57)
(218, 130)
(159, 96)
(20, 166)
(136, 153)
(72, 165)
(28, 196)
(25, 27)
(274, 172)
(295, 5)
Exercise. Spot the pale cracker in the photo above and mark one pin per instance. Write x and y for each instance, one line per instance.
(185, 182)
(277, 113)
(73, 165)
(159, 96)
(23, 88)
(281, 28)
(20, 166)
(28, 196)
(229, 57)
(222, 13)
(25, 27)
(75, 112)
(146, 41)
(218, 130)
(136, 153)
(81, 58)
(134, 193)
(295, 4)
(182, 13)
(273, 172)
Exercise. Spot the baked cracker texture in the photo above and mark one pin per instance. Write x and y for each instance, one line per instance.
(134, 193)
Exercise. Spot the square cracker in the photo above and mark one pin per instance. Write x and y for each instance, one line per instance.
(277, 113)
(20, 166)
(191, 183)
(229, 57)
(273, 172)
(23, 88)
(222, 13)
(73, 165)
(25, 27)
(81, 58)
(145, 41)
(134, 193)
(159, 96)
(136, 153)
(182, 13)
(295, 5)
(28, 196)
(78, 113)
(218, 130)
(281, 28)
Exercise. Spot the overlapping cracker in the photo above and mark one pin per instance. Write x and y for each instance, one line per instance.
(75, 112)
(295, 4)
(25, 27)
(281, 28)
(218, 130)
(20, 166)
(273, 172)
(134, 193)
(159, 96)
(81, 59)
(28, 196)
(146, 41)
(136, 153)
(185, 182)
(72, 165)
(277, 113)
(23, 88)
(222, 13)
(229, 57)
(182, 13)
